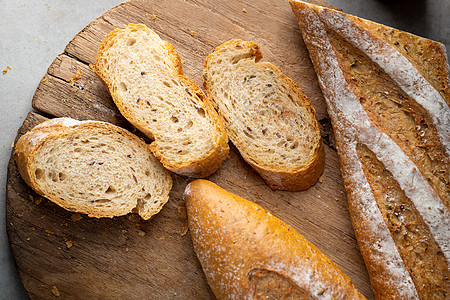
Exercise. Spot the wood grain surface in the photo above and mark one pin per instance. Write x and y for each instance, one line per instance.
(71, 256)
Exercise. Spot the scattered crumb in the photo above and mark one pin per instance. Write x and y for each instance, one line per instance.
(28, 239)
(337, 199)
(321, 179)
(298, 58)
(185, 228)
(182, 207)
(19, 215)
(76, 217)
(160, 237)
(44, 79)
(244, 10)
(49, 231)
(153, 17)
(38, 200)
(55, 291)
(74, 77)
(12, 145)
(6, 70)
(91, 66)
(70, 243)
(141, 233)
(192, 32)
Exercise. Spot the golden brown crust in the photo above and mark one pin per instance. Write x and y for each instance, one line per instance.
(298, 180)
(247, 253)
(193, 168)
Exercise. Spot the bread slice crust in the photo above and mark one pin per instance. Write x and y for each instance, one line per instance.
(168, 105)
(92, 167)
(267, 116)
(247, 253)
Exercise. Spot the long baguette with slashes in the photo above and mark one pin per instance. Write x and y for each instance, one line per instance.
(387, 93)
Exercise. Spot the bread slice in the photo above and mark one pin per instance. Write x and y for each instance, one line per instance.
(247, 253)
(387, 93)
(92, 167)
(144, 76)
(267, 116)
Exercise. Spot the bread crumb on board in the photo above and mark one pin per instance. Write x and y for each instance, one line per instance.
(185, 228)
(75, 217)
(244, 10)
(55, 291)
(69, 243)
(74, 77)
(6, 70)
(192, 32)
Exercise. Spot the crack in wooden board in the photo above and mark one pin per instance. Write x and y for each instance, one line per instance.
(130, 258)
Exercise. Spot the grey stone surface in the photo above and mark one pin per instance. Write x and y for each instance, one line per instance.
(33, 33)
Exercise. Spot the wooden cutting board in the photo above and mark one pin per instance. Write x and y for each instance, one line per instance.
(59, 253)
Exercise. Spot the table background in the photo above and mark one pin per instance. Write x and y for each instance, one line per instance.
(33, 33)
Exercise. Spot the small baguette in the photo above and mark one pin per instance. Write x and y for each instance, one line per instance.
(267, 116)
(387, 93)
(144, 76)
(92, 167)
(247, 253)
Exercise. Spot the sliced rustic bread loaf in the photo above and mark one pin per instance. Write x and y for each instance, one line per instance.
(144, 76)
(92, 167)
(267, 116)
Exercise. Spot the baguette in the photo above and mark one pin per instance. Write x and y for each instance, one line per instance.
(144, 76)
(387, 94)
(247, 253)
(268, 117)
(92, 167)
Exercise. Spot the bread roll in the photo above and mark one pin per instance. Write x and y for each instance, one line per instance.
(247, 253)
(387, 93)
